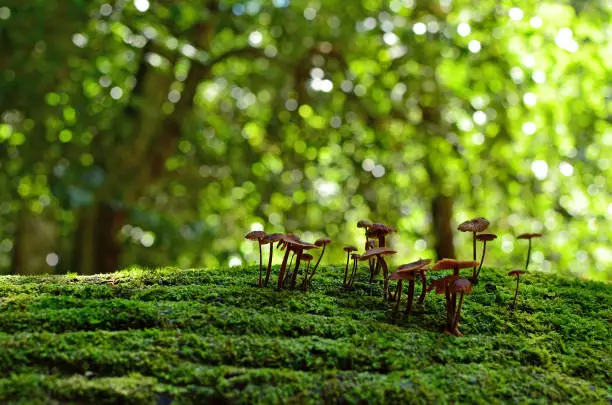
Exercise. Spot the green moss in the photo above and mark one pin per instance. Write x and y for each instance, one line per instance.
(193, 336)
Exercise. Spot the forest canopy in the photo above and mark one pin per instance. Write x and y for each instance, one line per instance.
(160, 132)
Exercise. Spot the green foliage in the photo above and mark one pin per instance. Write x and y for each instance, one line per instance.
(193, 336)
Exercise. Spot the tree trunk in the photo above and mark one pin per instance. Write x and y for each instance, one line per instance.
(96, 248)
(442, 214)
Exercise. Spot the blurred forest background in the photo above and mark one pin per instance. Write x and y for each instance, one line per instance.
(160, 132)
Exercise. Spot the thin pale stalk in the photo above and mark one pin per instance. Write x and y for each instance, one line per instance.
(314, 270)
(458, 314)
(528, 255)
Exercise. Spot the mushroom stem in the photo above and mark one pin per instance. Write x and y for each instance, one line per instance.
(353, 273)
(381, 240)
(296, 269)
(259, 282)
(398, 298)
(454, 296)
(424, 290)
(376, 270)
(474, 249)
(516, 292)
(346, 268)
(448, 310)
(385, 275)
(269, 265)
(314, 270)
(455, 325)
(410, 297)
(283, 269)
(528, 255)
(306, 281)
(477, 273)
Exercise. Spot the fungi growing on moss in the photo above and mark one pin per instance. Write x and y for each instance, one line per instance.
(411, 269)
(442, 286)
(380, 253)
(399, 277)
(348, 249)
(528, 236)
(299, 247)
(474, 225)
(484, 238)
(353, 276)
(307, 257)
(461, 286)
(516, 273)
(258, 236)
(270, 239)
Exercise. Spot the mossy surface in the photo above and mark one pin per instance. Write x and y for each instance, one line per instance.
(173, 336)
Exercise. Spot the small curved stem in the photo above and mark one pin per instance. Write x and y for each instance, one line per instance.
(457, 314)
(476, 274)
(474, 250)
(314, 270)
(260, 267)
(424, 290)
(283, 269)
(515, 292)
(528, 255)
(269, 265)
(346, 269)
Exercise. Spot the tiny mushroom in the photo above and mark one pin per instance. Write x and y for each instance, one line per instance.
(442, 286)
(258, 236)
(307, 257)
(320, 242)
(411, 269)
(463, 287)
(348, 249)
(365, 224)
(399, 277)
(286, 242)
(484, 238)
(474, 225)
(270, 239)
(516, 273)
(380, 253)
(378, 230)
(299, 247)
(528, 236)
(355, 257)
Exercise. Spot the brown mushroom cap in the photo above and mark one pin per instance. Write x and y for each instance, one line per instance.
(371, 243)
(364, 223)
(461, 285)
(529, 235)
(291, 237)
(414, 266)
(323, 241)
(401, 275)
(271, 238)
(306, 256)
(516, 272)
(304, 245)
(380, 229)
(350, 248)
(486, 237)
(255, 235)
(450, 264)
(380, 251)
(355, 256)
(440, 285)
(474, 225)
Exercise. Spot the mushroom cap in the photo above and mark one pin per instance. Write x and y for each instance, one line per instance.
(291, 236)
(255, 235)
(486, 237)
(272, 237)
(417, 265)
(306, 256)
(380, 251)
(401, 275)
(441, 284)
(304, 245)
(529, 235)
(323, 241)
(450, 264)
(380, 229)
(516, 272)
(364, 223)
(474, 225)
(371, 243)
(461, 285)
(350, 248)
(355, 256)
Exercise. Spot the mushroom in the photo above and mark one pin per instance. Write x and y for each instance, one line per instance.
(442, 286)
(355, 257)
(484, 238)
(474, 225)
(463, 287)
(258, 236)
(399, 277)
(378, 230)
(299, 247)
(306, 257)
(371, 244)
(410, 269)
(516, 273)
(364, 223)
(286, 242)
(455, 265)
(528, 236)
(270, 239)
(320, 242)
(379, 253)
(348, 250)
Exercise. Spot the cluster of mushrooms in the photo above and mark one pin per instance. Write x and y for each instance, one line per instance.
(293, 245)
(453, 286)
